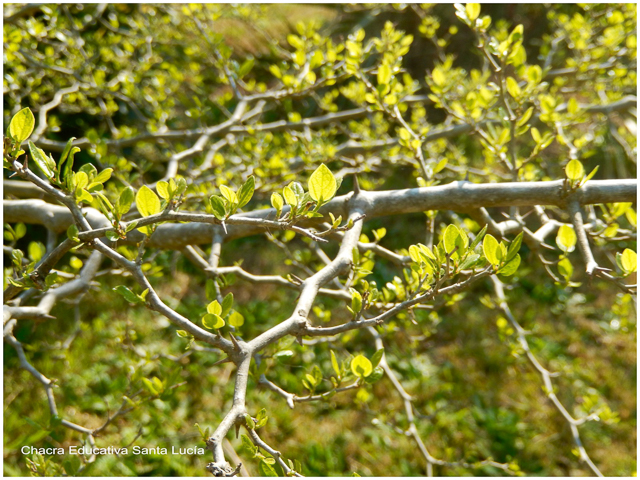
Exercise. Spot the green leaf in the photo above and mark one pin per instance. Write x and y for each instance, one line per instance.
(479, 237)
(83, 196)
(150, 386)
(22, 125)
(469, 261)
(36, 251)
(473, 11)
(277, 202)
(214, 307)
(20, 231)
(356, 301)
(535, 134)
(374, 376)
(375, 359)
(384, 74)
(574, 170)
(147, 202)
(414, 253)
(510, 267)
(65, 152)
(112, 235)
(566, 238)
(72, 233)
(212, 321)
(128, 295)
(361, 366)
(250, 423)
(82, 180)
(628, 261)
(248, 444)
(565, 268)
(236, 319)
(227, 303)
(450, 237)
(335, 365)
(130, 226)
(217, 206)
(163, 189)
(592, 174)
(68, 167)
(438, 76)
(266, 470)
(90, 170)
(297, 189)
(322, 184)
(123, 205)
(261, 418)
(513, 88)
(246, 192)
(42, 161)
(289, 196)
(525, 117)
(245, 67)
(514, 247)
(103, 176)
(229, 194)
(490, 248)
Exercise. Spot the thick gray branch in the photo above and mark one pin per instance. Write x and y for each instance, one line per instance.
(456, 196)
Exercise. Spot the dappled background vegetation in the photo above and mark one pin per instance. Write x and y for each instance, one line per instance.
(127, 69)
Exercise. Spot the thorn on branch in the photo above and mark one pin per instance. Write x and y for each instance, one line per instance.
(224, 360)
(235, 342)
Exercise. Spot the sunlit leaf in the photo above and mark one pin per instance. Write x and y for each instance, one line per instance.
(361, 366)
(147, 202)
(22, 125)
(322, 184)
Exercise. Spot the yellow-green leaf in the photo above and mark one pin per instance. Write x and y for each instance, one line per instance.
(334, 364)
(451, 234)
(490, 247)
(276, 201)
(246, 191)
(214, 307)
(361, 366)
(414, 253)
(525, 117)
(103, 176)
(384, 74)
(572, 106)
(236, 319)
(147, 202)
(565, 268)
(22, 125)
(44, 163)
(566, 238)
(574, 170)
(510, 267)
(212, 321)
(163, 189)
(229, 194)
(217, 206)
(82, 180)
(513, 88)
(629, 260)
(473, 10)
(438, 77)
(322, 184)
(535, 134)
(289, 196)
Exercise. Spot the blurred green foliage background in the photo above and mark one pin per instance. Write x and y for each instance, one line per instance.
(474, 392)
